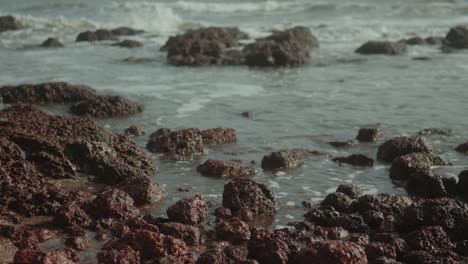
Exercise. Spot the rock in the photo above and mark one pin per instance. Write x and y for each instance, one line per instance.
(282, 159)
(356, 160)
(106, 106)
(435, 40)
(332, 218)
(98, 35)
(370, 135)
(271, 247)
(300, 34)
(248, 114)
(421, 256)
(382, 47)
(142, 190)
(190, 234)
(462, 248)
(326, 252)
(113, 203)
(128, 43)
(8, 23)
(268, 53)
(463, 183)
(462, 148)
(339, 201)
(457, 37)
(42, 257)
(126, 31)
(376, 250)
(416, 41)
(352, 191)
(119, 256)
(344, 144)
(225, 168)
(233, 57)
(430, 239)
(190, 211)
(71, 215)
(216, 136)
(79, 242)
(52, 43)
(223, 213)
(46, 93)
(392, 240)
(182, 142)
(400, 146)
(44, 235)
(435, 131)
(403, 166)
(233, 230)
(385, 203)
(248, 194)
(213, 257)
(134, 131)
(427, 184)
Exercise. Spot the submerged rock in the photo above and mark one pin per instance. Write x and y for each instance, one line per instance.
(106, 106)
(344, 144)
(370, 135)
(181, 142)
(282, 159)
(98, 35)
(52, 43)
(356, 160)
(435, 131)
(462, 148)
(457, 37)
(128, 43)
(223, 168)
(382, 47)
(126, 31)
(400, 146)
(8, 23)
(216, 136)
(190, 211)
(403, 166)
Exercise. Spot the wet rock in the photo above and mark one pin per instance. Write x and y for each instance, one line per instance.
(462, 148)
(382, 47)
(339, 201)
(299, 34)
(352, 191)
(71, 215)
(248, 194)
(190, 211)
(98, 35)
(282, 160)
(182, 142)
(44, 235)
(52, 43)
(385, 203)
(128, 43)
(41, 257)
(384, 260)
(106, 106)
(225, 168)
(233, 230)
(344, 144)
(394, 240)
(462, 186)
(457, 37)
(431, 238)
(126, 31)
(326, 252)
(435, 40)
(8, 23)
(377, 249)
(370, 135)
(134, 131)
(122, 255)
(332, 218)
(216, 136)
(403, 166)
(223, 213)
(356, 160)
(400, 146)
(79, 242)
(213, 256)
(113, 203)
(415, 41)
(427, 184)
(271, 247)
(462, 248)
(46, 93)
(142, 190)
(248, 114)
(190, 234)
(435, 131)
(421, 256)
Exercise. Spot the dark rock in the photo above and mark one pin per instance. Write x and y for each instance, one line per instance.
(400, 146)
(42, 257)
(332, 218)
(248, 194)
(225, 168)
(181, 142)
(339, 201)
(44, 235)
(268, 53)
(106, 106)
(98, 35)
(463, 183)
(271, 247)
(142, 190)
(416, 41)
(134, 131)
(190, 234)
(434, 40)
(462, 248)
(427, 184)
(282, 160)
(212, 256)
(71, 215)
(378, 249)
(46, 93)
(344, 144)
(300, 34)
(403, 166)
(370, 135)
(113, 203)
(385, 203)
(457, 37)
(430, 238)
(216, 136)
(8, 23)
(384, 260)
(435, 131)
(122, 255)
(223, 213)
(326, 252)
(52, 43)
(352, 191)
(356, 160)
(421, 256)
(190, 211)
(248, 114)
(394, 240)
(233, 230)
(462, 148)
(79, 242)
(126, 31)
(382, 47)
(128, 43)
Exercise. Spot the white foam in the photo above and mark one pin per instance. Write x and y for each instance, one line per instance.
(274, 184)
(228, 7)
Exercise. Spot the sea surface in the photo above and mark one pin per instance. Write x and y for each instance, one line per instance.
(305, 107)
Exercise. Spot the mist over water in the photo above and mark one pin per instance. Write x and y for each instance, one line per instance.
(305, 107)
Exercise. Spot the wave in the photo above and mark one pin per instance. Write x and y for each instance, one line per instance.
(229, 7)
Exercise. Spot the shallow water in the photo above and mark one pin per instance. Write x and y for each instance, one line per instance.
(295, 108)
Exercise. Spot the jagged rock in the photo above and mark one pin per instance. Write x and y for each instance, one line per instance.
(106, 106)
(370, 135)
(400, 146)
(356, 160)
(282, 160)
(52, 43)
(382, 47)
(225, 168)
(190, 211)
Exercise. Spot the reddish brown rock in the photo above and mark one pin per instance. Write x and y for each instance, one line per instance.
(431, 238)
(44, 235)
(370, 135)
(271, 247)
(223, 213)
(106, 106)
(78, 242)
(352, 191)
(282, 160)
(181, 142)
(216, 136)
(46, 93)
(225, 168)
(134, 131)
(71, 215)
(339, 201)
(142, 190)
(189, 234)
(377, 249)
(233, 230)
(119, 256)
(400, 146)
(356, 160)
(332, 218)
(191, 211)
(247, 194)
(382, 47)
(327, 252)
(46, 257)
(113, 203)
